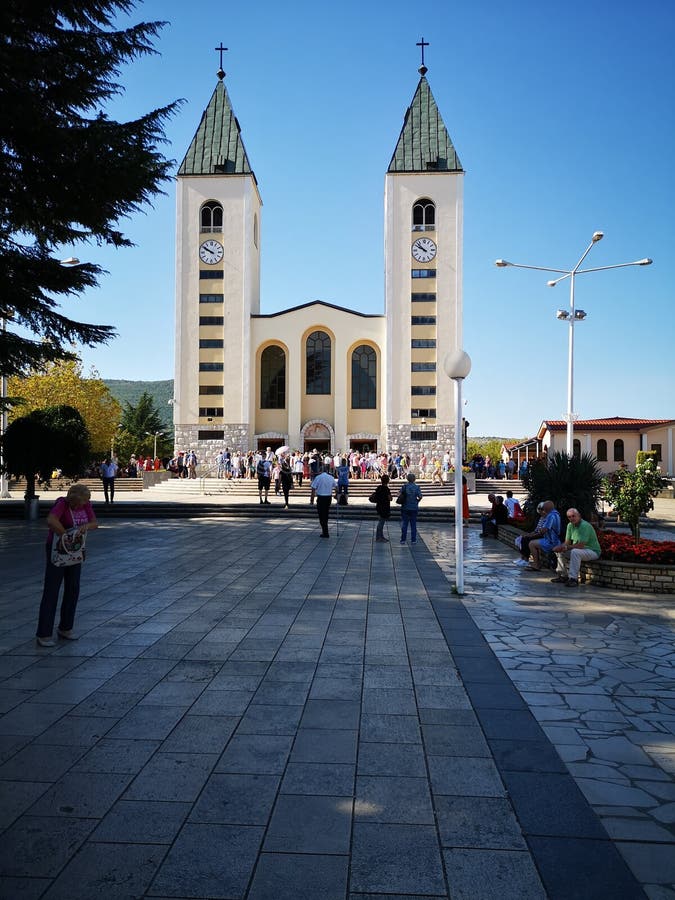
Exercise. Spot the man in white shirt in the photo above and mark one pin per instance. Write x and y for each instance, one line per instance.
(323, 487)
(108, 471)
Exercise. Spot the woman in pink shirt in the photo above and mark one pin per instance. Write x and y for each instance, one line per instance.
(72, 511)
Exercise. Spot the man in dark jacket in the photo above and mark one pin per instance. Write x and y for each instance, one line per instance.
(381, 496)
(497, 516)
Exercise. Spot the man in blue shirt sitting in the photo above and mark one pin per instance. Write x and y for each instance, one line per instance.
(541, 547)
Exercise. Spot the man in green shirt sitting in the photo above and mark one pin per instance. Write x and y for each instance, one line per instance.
(581, 543)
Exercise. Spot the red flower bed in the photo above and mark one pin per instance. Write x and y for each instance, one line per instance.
(622, 548)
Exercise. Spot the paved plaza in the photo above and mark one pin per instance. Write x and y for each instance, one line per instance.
(252, 712)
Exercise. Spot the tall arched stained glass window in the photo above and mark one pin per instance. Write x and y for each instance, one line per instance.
(273, 378)
(318, 363)
(364, 378)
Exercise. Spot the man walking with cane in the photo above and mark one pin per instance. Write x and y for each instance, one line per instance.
(323, 487)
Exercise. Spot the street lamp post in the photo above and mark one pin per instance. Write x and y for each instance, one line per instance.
(112, 442)
(155, 434)
(457, 365)
(572, 316)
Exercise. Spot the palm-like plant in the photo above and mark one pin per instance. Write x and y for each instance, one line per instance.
(569, 481)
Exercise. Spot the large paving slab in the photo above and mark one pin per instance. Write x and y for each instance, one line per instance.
(252, 712)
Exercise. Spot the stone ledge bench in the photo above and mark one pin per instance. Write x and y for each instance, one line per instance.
(624, 576)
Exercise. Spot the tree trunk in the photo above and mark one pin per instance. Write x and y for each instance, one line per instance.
(30, 487)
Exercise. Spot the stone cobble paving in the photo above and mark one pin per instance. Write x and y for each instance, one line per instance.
(596, 668)
(251, 712)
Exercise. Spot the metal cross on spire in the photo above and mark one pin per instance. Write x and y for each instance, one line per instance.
(422, 69)
(221, 74)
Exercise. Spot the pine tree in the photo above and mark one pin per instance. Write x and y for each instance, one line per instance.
(140, 423)
(68, 172)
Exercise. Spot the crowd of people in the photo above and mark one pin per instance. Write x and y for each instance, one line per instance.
(506, 467)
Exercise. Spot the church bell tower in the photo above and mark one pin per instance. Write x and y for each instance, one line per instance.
(217, 282)
(423, 208)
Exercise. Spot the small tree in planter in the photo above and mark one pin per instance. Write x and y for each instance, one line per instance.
(631, 493)
(46, 439)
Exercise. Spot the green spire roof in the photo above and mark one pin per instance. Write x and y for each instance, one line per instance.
(424, 144)
(217, 147)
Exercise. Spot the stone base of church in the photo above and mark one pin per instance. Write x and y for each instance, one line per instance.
(194, 437)
(398, 438)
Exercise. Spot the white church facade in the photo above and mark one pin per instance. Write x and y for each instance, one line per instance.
(316, 375)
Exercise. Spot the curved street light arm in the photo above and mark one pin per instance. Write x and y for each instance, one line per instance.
(638, 262)
(584, 255)
(537, 268)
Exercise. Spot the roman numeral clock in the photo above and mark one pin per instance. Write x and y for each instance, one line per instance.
(424, 250)
(211, 252)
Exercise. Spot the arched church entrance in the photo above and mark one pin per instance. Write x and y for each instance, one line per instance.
(317, 436)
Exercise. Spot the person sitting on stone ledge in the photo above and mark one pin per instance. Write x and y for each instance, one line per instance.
(497, 516)
(580, 544)
(540, 547)
(516, 514)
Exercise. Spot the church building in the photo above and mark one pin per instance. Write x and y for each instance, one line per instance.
(316, 375)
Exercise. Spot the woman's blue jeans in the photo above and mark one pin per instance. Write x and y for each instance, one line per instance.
(409, 516)
(54, 576)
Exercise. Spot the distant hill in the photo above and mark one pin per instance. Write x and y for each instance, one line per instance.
(130, 392)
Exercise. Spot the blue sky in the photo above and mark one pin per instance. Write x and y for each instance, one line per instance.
(562, 116)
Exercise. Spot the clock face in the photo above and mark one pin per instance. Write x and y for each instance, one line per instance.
(424, 249)
(211, 252)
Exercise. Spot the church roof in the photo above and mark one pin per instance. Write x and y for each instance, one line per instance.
(424, 144)
(615, 423)
(217, 147)
(283, 312)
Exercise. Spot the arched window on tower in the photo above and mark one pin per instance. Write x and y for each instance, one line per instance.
(364, 378)
(602, 450)
(317, 378)
(211, 217)
(424, 215)
(618, 450)
(273, 378)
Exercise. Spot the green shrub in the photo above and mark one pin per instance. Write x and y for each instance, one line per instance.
(569, 482)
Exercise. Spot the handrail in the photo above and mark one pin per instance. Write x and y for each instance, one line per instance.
(204, 473)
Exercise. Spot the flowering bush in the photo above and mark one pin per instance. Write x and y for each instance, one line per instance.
(631, 493)
(622, 548)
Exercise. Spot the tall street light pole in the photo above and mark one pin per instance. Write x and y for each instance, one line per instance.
(572, 316)
(457, 365)
(155, 435)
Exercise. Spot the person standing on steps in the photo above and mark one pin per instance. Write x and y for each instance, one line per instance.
(264, 472)
(286, 479)
(323, 488)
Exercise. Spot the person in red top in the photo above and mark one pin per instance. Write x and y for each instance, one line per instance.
(72, 511)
